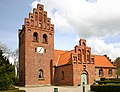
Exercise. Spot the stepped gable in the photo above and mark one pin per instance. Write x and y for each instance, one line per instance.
(38, 20)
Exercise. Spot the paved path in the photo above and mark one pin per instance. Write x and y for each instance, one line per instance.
(51, 89)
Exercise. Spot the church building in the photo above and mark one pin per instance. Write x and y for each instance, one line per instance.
(41, 64)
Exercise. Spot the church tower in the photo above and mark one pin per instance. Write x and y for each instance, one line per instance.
(36, 49)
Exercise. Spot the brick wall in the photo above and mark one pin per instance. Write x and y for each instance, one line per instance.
(79, 69)
(105, 72)
(68, 75)
(31, 61)
(21, 57)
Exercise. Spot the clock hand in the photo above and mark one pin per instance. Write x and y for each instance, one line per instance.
(40, 49)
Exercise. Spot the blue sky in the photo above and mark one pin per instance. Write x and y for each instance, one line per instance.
(98, 21)
(12, 15)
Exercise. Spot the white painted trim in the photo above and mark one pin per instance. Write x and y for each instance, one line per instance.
(58, 60)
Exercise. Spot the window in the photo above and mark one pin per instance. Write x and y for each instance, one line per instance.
(110, 72)
(62, 75)
(41, 75)
(101, 72)
(45, 38)
(74, 59)
(35, 37)
(41, 8)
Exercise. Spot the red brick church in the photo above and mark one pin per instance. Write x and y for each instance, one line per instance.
(41, 64)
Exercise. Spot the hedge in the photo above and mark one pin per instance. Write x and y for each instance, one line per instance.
(110, 80)
(12, 90)
(106, 88)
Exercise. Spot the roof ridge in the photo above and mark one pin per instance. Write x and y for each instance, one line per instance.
(59, 50)
(97, 55)
(65, 52)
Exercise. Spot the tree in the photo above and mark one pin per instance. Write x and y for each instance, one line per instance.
(14, 55)
(7, 73)
(5, 49)
(117, 63)
(11, 55)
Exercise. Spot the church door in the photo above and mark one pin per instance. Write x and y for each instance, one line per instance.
(83, 79)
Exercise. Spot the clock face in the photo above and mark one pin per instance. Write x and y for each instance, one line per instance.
(40, 50)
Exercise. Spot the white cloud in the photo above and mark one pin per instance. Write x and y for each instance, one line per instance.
(91, 20)
(34, 4)
(100, 47)
(86, 19)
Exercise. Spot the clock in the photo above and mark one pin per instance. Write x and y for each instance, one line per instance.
(40, 50)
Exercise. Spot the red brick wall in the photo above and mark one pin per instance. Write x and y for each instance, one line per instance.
(105, 73)
(83, 64)
(34, 61)
(21, 58)
(79, 69)
(68, 75)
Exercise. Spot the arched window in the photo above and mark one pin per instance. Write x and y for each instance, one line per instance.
(45, 39)
(101, 72)
(41, 74)
(62, 75)
(110, 72)
(35, 37)
(74, 59)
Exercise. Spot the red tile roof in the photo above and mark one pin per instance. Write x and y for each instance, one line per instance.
(56, 55)
(63, 57)
(102, 61)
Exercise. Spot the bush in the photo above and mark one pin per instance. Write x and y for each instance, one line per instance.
(13, 89)
(106, 88)
(109, 80)
(7, 73)
(16, 81)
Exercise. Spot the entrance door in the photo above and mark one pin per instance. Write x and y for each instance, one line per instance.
(83, 79)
